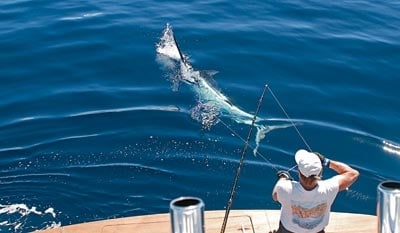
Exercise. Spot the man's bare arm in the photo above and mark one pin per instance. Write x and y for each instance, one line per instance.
(347, 174)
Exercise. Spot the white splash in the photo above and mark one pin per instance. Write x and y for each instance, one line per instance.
(167, 45)
(16, 218)
(18, 208)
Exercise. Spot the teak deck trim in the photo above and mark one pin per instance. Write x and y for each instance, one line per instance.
(239, 221)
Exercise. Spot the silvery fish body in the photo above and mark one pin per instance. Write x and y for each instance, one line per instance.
(212, 103)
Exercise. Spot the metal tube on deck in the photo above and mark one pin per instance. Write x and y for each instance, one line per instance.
(187, 215)
(388, 207)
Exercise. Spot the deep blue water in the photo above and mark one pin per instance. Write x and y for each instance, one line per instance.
(92, 128)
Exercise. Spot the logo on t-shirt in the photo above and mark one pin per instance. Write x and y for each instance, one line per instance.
(308, 215)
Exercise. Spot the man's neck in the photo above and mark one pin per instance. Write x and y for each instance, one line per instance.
(308, 187)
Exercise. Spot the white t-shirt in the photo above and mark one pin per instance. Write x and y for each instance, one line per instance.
(305, 211)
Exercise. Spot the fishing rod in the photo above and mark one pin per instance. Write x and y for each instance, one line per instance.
(234, 187)
(236, 180)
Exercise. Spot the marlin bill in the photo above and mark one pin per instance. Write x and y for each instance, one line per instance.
(212, 104)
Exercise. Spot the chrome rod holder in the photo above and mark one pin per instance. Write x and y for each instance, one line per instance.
(388, 207)
(187, 215)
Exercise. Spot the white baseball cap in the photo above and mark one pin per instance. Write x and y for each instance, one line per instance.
(309, 163)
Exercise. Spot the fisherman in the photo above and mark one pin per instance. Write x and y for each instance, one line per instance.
(305, 205)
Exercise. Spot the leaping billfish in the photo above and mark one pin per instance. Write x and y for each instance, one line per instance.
(212, 103)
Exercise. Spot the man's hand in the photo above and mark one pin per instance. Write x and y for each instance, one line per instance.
(325, 161)
(284, 174)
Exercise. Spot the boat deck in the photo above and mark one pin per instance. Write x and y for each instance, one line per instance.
(240, 221)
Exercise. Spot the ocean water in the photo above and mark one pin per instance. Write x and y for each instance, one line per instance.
(93, 126)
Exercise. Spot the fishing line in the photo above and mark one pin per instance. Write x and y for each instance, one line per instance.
(294, 125)
(258, 153)
(242, 139)
(230, 200)
(287, 116)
